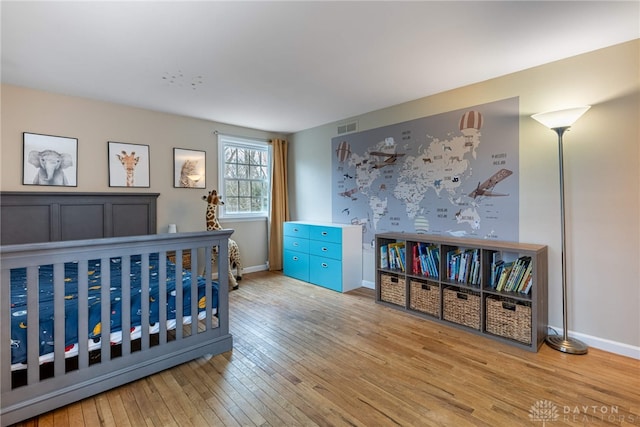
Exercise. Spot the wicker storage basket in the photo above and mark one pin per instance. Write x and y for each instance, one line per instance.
(461, 306)
(425, 297)
(186, 259)
(393, 290)
(509, 318)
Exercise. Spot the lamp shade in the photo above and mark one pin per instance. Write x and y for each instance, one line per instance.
(560, 118)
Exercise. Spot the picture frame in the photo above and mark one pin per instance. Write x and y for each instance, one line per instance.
(189, 168)
(128, 165)
(49, 160)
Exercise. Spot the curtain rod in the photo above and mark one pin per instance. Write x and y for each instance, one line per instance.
(216, 133)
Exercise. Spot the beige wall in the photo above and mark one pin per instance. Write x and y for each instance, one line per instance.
(602, 173)
(95, 123)
(602, 180)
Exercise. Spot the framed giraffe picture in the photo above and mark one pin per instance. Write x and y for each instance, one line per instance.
(189, 168)
(128, 165)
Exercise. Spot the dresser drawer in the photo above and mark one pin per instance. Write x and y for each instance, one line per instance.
(295, 243)
(325, 272)
(325, 234)
(325, 249)
(298, 230)
(296, 265)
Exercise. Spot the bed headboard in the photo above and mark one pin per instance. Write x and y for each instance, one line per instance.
(32, 217)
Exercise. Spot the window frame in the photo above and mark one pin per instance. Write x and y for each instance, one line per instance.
(247, 143)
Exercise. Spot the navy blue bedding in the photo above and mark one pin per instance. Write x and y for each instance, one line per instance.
(46, 295)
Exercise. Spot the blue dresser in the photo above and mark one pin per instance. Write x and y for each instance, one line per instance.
(328, 255)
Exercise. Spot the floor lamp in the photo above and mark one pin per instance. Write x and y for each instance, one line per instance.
(559, 122)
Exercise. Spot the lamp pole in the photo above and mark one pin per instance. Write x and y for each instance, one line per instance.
(564, 343)
(559, 122)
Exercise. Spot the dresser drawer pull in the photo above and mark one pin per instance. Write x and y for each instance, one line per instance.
(324, 265)
(295, 244)
(325, 249)
(324, 233)
(295, 258)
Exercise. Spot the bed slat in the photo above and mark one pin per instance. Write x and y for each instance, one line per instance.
(59, 319)
(33, 339)
(145, 301)
(125, 304)
(105, 312)
(83, 313)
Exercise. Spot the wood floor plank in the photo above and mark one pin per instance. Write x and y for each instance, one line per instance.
(90, 412)
(118, 412)
(74, 415)
(151, 403)
(130, 406)
(308, 356)
(104, 410)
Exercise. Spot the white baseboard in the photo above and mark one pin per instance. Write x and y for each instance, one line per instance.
(604, 344)
(368, 284)
(251, 269)
(255, 268)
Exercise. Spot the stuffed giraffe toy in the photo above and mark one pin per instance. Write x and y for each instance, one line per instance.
(213, 200)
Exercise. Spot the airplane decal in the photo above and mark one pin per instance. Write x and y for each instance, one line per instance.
(349, 193)
(390, 158)
(486, 188)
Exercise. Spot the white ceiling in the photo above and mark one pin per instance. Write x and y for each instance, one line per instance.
(288, 66)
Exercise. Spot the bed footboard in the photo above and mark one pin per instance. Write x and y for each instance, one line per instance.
(135, 312)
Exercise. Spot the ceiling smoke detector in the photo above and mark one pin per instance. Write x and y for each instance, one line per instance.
(178, 79)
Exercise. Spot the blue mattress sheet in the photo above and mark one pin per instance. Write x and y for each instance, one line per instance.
(46, 297)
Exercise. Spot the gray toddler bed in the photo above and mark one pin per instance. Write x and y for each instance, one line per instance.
(94, 299)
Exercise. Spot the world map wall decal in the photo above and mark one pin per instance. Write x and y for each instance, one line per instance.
(454, 173)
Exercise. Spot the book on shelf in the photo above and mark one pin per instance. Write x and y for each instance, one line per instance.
(433, 257)
(384, 257)
(426, 259)
(453, 263)
(525, 281)
(496, 263)
(506, 269)
(397, 256)
(527, 284)
(463, 265)
(514, 274)
(525, 263)
(416, 268)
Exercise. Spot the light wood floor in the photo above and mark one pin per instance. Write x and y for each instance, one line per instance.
(306, 356)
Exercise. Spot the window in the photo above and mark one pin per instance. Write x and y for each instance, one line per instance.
(245, 170)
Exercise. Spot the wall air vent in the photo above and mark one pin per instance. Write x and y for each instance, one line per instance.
(347, 128)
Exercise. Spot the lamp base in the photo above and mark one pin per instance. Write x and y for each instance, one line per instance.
(568, 345)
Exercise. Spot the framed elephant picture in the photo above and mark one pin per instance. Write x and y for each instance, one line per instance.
(49, 160)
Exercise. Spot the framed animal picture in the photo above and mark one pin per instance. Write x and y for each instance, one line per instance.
(128, 165)
(49, 160)
(189, 168)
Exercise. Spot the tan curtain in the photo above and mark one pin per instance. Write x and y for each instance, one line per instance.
(279, 203)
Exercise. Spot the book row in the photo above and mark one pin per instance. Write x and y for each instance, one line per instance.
(512, 276)
(393, 256)
(463, 265)
(425, 258)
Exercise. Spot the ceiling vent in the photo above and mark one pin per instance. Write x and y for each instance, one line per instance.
(347, 128)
